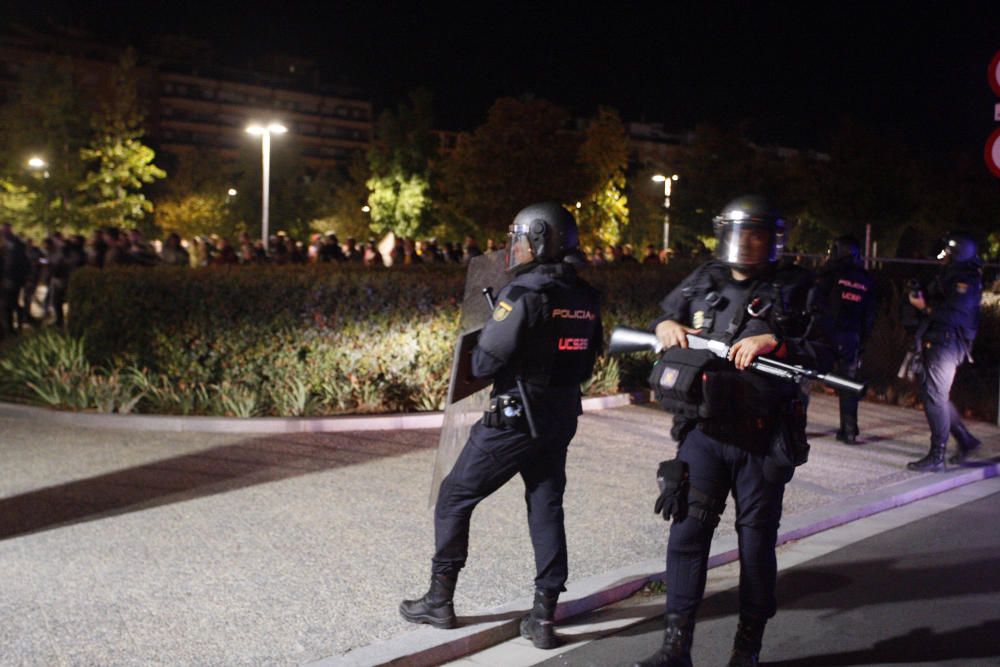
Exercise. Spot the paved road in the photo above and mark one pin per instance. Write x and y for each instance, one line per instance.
(139, 548)
(925, 593)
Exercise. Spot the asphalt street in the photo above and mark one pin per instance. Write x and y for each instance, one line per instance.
(924, 593)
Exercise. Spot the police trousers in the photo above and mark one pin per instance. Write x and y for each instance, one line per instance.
(491, 457)
(941, 361)
(716, 470)
(847, 366)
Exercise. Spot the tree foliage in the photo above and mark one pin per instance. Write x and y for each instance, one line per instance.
(119, 164)
(603, 214)
(348, 195)
(45, 117)
(400, 162)
(525, 152)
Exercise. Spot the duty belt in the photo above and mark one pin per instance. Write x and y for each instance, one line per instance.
(505, 410)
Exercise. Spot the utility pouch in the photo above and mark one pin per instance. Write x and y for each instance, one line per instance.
(506, 411)
(788, 447)
(676, 380)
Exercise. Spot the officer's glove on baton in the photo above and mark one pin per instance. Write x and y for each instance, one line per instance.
(672, 478)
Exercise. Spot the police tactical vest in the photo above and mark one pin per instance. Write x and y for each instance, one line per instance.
(565, 338)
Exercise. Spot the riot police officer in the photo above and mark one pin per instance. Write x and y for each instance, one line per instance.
(950, 318)
(725, 443)
(539, 345)
(850, 308)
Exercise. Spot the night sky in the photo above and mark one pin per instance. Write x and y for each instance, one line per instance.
(785, 72)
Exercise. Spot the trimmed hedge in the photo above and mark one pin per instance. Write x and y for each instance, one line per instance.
(307, 340)
(317, 340)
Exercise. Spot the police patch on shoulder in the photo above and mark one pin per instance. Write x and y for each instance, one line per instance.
(961, 288)
(502, 310)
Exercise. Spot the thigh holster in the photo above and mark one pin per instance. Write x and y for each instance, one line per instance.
(705, 508)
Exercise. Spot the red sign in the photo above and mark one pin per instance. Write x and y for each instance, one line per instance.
(992, 153)
(994, 74)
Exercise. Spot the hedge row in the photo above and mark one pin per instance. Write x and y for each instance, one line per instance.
(306, 340)
(326, 340)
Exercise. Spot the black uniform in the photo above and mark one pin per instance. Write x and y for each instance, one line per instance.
(850, 312)
(545, 330)
(14, 270)
(946, 336)
(725, 449)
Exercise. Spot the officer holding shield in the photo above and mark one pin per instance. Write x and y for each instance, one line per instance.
(538, 346)
(726, 439)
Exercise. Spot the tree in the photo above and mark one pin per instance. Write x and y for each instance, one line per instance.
(400, 163)
(524, 153)
(872, 178)
(603, 214)
(44, 117)
(195, 200)
(344, 211)
(119, 163)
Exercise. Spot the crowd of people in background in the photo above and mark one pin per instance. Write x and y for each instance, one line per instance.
(35, 276)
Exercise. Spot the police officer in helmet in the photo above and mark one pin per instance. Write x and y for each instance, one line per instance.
(949, 321)
(848, 292)
(724, 449)
(539, 345)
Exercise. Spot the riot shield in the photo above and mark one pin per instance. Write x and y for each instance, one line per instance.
(468, 397)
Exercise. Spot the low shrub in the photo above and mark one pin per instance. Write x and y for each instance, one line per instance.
(302, 341)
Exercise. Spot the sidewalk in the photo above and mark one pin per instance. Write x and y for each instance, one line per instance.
(138, 547)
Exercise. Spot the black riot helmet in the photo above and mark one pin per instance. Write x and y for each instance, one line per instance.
(540, 234)
(749, 233)
(845, 249)
(958, 247)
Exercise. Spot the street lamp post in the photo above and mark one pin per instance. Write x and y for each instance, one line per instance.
(667, 187)
(265, 132)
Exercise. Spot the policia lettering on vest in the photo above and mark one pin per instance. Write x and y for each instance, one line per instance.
(538, 346)
(727, 427)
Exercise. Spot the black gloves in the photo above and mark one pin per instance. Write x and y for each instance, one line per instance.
(672, 477)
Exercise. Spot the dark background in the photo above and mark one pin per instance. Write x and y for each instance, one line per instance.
(785, 73)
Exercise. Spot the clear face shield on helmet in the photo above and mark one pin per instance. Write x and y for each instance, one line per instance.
(519, 250)
(748, 244)
(957, 249)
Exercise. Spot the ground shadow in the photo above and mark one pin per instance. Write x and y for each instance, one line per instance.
(201, 474)
(920, 645)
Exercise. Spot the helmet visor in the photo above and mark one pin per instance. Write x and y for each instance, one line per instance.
(747, 245)
(519, 250)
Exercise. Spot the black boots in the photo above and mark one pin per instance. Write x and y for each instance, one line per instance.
(932, 462)
(958, 458)
(746, 645)
(538, 626)
(676, 649)
(435, 607)
(847, 437)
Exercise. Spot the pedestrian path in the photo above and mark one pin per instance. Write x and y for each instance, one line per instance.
(143, 547)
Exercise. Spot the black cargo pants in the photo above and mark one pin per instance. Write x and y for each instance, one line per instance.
(491, 457)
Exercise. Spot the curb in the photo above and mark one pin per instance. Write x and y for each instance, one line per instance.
(427, 646)
(196, 424)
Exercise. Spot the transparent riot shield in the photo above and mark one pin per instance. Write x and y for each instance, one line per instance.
(468, 397)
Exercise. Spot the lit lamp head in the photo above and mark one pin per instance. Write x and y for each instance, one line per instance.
(256, 129)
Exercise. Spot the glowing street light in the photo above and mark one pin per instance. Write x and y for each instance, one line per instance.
(265, 132)
(36, 163)
(231, 192)
(667, 188)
